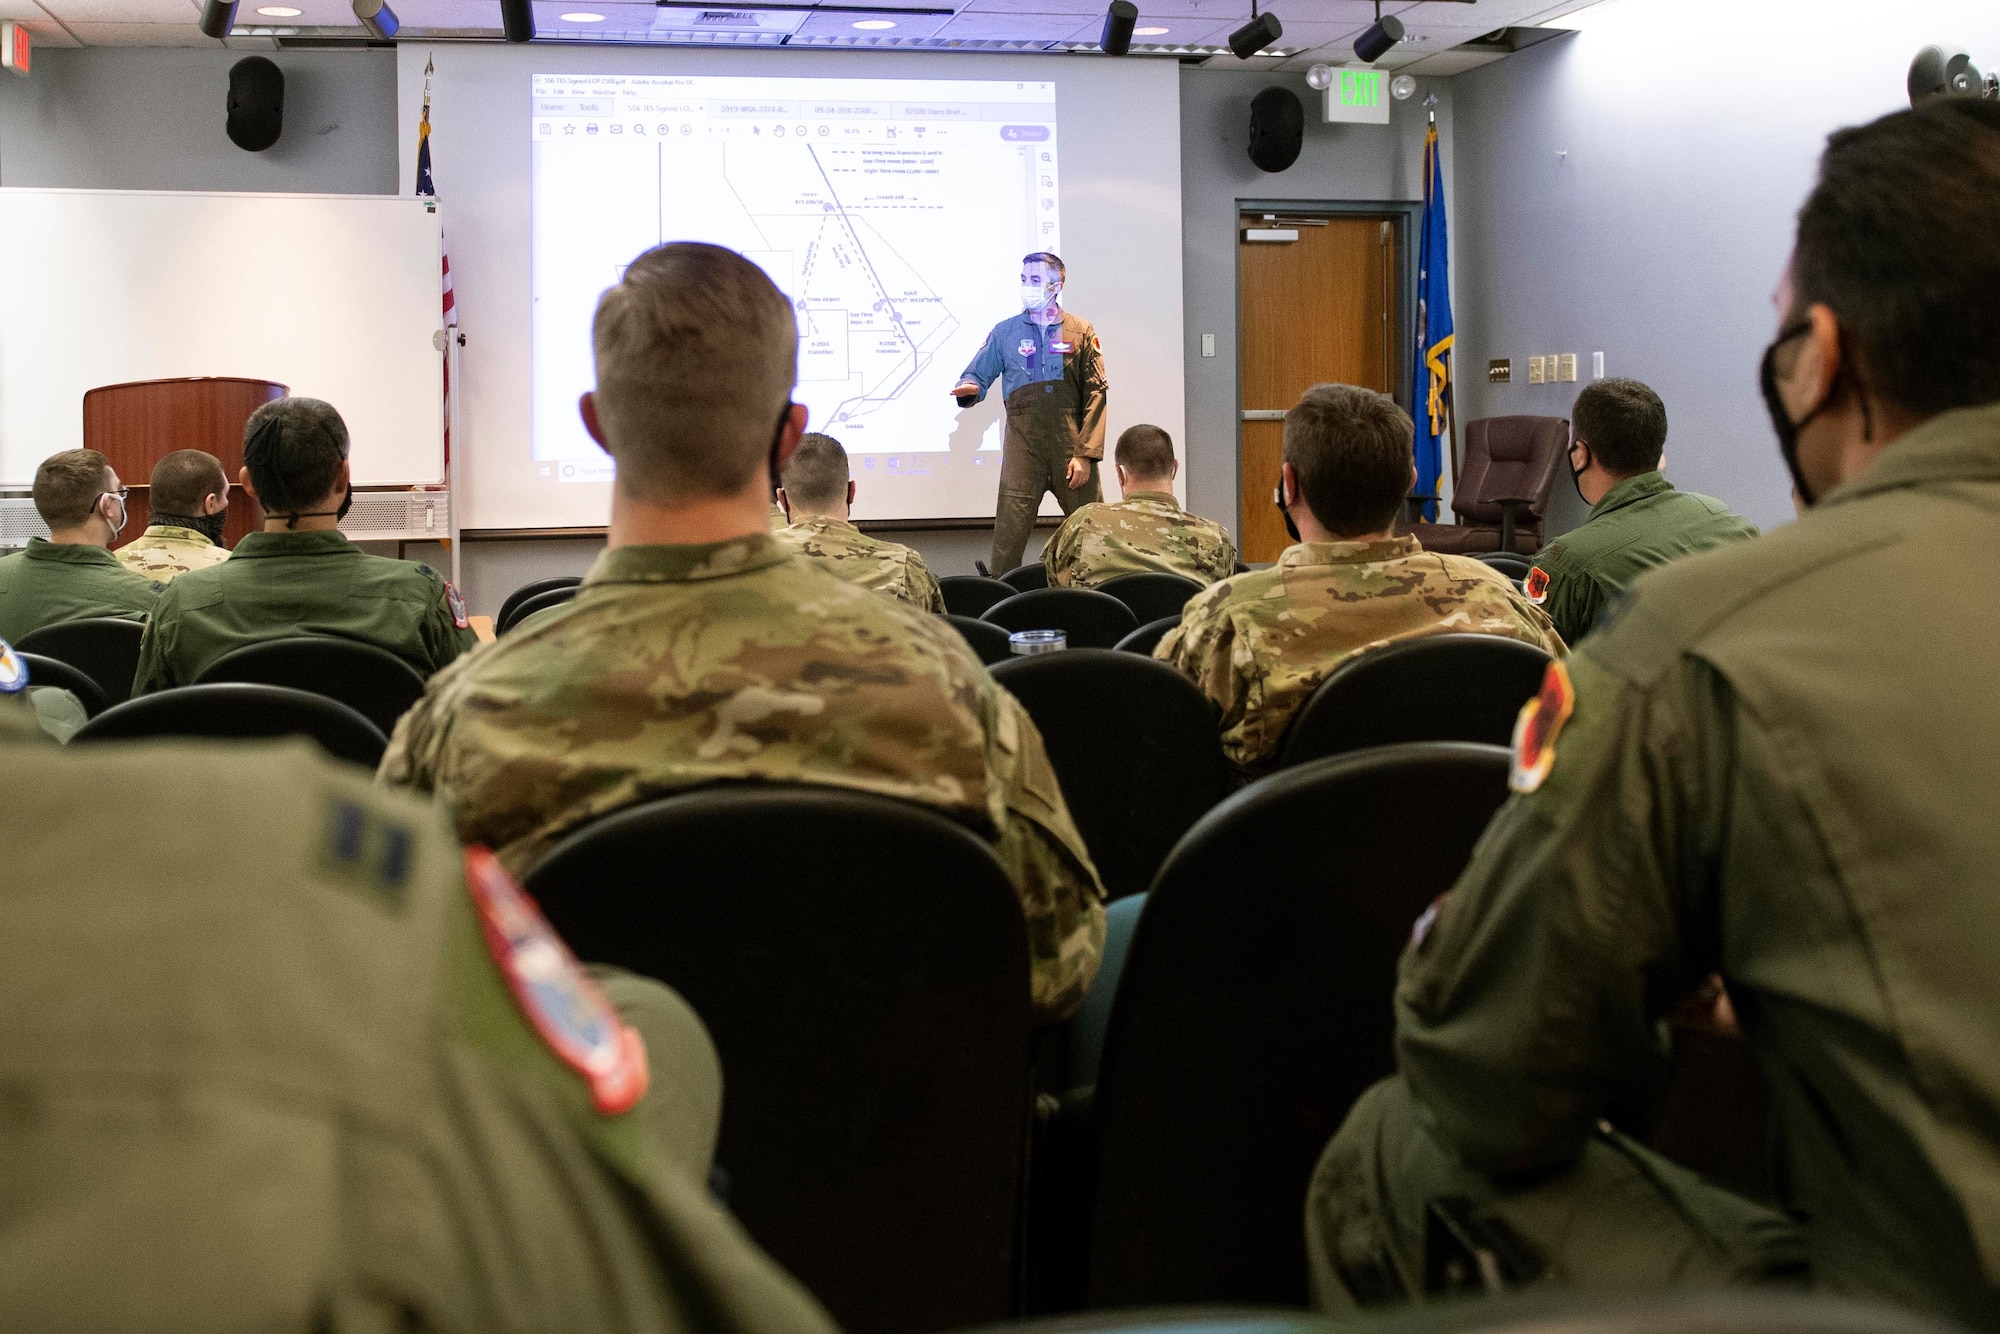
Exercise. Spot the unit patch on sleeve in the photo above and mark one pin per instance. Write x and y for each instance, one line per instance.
(456, 602)
(13, 672)
(1536, 729)
(558, 997)
(1537, 585)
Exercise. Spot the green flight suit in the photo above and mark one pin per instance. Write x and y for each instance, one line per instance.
(1779, 768)
(66, 581)
(1640, 523)
(309, 583)
(264, 1070)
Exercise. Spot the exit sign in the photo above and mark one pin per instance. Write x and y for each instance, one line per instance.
(14, 47)
(1358, 97)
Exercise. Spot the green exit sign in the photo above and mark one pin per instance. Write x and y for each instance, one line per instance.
(1358, 97)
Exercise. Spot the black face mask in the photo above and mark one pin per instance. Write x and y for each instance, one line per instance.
(1781, 421)
(777, 440)
(1278, 498)
(1576, 473)
(346, 504)
(208, 525)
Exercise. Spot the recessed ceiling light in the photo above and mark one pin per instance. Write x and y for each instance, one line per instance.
(1149, 32)
(280, 12)
(581, 16)
(875, 25)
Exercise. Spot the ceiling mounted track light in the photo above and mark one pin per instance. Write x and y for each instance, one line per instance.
(1261, 31)
(378, 18)
(1119, 20)
(1372, 45)
(517, 20)
(217, 18)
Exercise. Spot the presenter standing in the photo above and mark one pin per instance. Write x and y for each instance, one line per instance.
(1051, 369)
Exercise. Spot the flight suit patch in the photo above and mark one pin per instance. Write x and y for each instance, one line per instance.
(1535, 731)
(1064, 348)
(560, 1000)
(13, 672)
(456, 602)
(1537, 585)
(1027, 348)
(367, 850)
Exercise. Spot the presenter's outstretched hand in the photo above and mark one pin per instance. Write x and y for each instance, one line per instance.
(1078, 472)
(966, 392)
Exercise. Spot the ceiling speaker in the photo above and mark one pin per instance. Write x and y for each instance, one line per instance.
(256, 103)
(1118, 22)
(1277, 128)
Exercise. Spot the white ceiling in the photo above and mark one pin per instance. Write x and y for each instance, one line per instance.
(1315, 30)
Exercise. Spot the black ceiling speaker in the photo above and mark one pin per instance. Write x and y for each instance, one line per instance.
(1374, 43)
(217, 18)
(1277, 128)
(1254, 36)
(517, 20)
(1118, 22)
(256, 103)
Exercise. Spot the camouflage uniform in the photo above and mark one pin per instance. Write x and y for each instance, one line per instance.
(290, 1086)
(1260, 643)
(1640, 523)
(1146, 531)
(887, 567)
(1777, 765)
(304, 583)
(66, 581)
(678, 666)
(165, 550)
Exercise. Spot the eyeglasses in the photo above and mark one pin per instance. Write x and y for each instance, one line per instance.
(123, 493)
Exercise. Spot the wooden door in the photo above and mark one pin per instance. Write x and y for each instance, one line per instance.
(1315, 309)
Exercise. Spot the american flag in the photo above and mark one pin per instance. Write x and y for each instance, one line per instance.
(427, 188)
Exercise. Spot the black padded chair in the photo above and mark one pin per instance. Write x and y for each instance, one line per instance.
(1090, 619)
(553, 597)
(1455, 687)
(971, 594)
(1510, 563)
(871, 1009)
(1148, 636)
(988, 640)
(104, 648)
(1134, 745)
(235, 712)
(1153, 594)
(510, 610)
(369, 679)
(55, 672)
(1254, 1007)
(1022, 578)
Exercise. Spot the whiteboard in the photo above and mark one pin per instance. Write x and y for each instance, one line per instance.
(335, 296)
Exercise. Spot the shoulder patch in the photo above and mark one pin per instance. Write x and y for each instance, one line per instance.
(456, 601)
(1536, 585)
(13, 672)
(559, 999)
(1535, 731)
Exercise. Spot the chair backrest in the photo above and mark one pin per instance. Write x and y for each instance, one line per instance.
(542, 601)
(104, 648)
(510, 610)
(1510, 563)
(1090, 619)
(1148, 636)
(1547, 1309)
(1152, 594)
(235, 711)
(1135, 746)
(55, 672)
(971, 594)
(367, 678)
(988, 640)
(1457, 687)
(862, 965)
(1508, 456)
(1024, 577)
(1254, 1007)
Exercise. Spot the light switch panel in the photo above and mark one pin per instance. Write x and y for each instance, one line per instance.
(1568, 366)
(1208, 345)
(1537, 370)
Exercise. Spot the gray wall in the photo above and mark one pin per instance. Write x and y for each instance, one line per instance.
(151, 119)
(1632, 189)
(1339, 164)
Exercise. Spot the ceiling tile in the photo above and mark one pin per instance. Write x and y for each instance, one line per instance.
(1037, 27)
(21, 10)
(45, 31)
(123, 11)
(1444, 64)
(842, 25)
(139, 34)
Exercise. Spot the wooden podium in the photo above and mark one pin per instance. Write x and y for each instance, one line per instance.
(136, 425)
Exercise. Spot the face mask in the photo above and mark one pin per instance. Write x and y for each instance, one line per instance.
(1034, 298)
(346, 504)
(1278, 498)
(1576, 475)
(778, 439)
(123, 514)
(1781, 421)
(208, 525)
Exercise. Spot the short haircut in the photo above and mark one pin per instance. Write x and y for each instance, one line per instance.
(697, 352)
(1352, 449)
(293, 449)
(816, 473)
(184, 479)
(68, 484)
(1145, 452)
(1049, 258)
(1900, 238)
(1623, 422)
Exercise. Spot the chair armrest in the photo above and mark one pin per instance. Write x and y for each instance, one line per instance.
(1413, 505)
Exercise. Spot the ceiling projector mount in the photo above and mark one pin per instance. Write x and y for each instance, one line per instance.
(1948, 71)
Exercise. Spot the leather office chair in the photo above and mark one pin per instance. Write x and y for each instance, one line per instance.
(56, 673)
(1153, 594)
(372, 681)
(988, 640)
(103, 648)
(553, 597)
(237, 712)
(972, 594)
(1503, 487)
(1091, 619)
(1025, 577)
(1148, 636)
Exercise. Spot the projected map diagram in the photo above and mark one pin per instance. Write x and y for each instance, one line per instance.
(893, 214)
